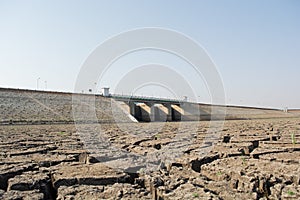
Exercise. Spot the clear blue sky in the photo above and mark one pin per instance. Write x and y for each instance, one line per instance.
(255, 44)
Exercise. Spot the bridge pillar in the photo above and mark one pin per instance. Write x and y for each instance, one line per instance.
(143, 112)
(176, 112)
(132, 108)
(160, 112)
(169, 113)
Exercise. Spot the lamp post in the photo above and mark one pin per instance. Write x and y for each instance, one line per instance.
(37, 83)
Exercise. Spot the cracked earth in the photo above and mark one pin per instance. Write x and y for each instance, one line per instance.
(251, 159)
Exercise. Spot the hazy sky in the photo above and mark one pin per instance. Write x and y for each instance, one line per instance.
(254, 44)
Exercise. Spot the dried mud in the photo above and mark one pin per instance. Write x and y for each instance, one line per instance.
(251, 159)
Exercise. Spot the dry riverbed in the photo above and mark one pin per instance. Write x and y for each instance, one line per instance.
(252, 159)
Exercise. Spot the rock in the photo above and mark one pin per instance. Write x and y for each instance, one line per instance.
(189, 191)
(42, 160)
(24, 195)
(92, 192)
(9, 171)
(86, 174)
(33, 180)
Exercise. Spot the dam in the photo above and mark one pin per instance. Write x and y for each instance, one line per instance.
(150, 109)
(19, 106)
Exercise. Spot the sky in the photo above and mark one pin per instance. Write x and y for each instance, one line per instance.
(255, 45)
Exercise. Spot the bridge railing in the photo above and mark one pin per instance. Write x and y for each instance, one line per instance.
(145, 98)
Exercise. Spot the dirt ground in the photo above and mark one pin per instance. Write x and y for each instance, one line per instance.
(251, 159)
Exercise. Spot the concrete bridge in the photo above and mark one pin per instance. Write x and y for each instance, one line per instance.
(149, 109)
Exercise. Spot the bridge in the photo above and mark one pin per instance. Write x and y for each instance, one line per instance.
(149, 109)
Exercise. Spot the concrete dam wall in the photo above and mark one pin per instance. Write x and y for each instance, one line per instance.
(41, 107)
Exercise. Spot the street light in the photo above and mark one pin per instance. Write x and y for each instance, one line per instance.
(37, 83)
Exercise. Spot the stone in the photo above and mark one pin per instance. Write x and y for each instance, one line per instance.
(24, 195)
(86, 174)
(33, 180)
